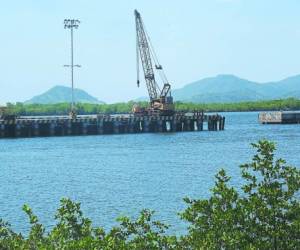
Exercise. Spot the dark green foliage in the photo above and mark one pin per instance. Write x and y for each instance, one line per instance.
(271, 202)
(87, 108)
(271, 105)
(263, 214)
(216, 223)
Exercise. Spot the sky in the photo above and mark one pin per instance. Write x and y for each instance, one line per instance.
(253, 39)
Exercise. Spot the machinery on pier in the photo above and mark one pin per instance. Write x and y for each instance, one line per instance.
(6, 115)
(161, 100)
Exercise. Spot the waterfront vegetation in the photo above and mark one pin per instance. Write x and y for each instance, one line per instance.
(263, 214)
(85, 108)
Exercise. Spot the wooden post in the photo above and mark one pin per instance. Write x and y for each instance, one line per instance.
(215, 124)
(223, 123)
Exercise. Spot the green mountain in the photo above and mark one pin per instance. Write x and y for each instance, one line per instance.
(229, 88)
(60, 94)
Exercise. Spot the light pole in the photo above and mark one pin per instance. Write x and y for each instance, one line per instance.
(71, 24)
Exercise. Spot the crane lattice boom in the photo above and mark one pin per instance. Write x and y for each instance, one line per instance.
(159, 99)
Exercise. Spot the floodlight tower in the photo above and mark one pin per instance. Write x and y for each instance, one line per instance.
(71, 24)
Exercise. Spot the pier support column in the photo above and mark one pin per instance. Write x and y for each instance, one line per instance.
(223, 122)
(36, 131)
(29, 129)
(188, 125)
(131, 126)
(100, 127)
(160, 125)
(174, 125)
(215, 125)
(18, 132)
(69, 127)
(63, 128)
(140, 126)
(146, 126)
(84, 128)
(116, 127)
(168, 126)
(195, 125)
(200, 125)
(52, 128)
(2, 130)
(209, 124)
(125, 127)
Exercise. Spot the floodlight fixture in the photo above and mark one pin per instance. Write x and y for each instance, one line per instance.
(71, 23)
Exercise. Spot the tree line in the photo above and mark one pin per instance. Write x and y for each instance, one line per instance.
(263, 214)
(86, 108)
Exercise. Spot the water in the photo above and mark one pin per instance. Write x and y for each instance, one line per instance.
(115, 175)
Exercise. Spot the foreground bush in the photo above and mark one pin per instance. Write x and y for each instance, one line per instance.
(264, 214)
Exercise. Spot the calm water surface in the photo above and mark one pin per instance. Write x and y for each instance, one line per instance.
(115, 175)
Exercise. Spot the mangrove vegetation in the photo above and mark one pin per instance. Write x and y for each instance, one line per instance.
(86, 108)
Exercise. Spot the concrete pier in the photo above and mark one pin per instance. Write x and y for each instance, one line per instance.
(280, 117)
(108, 124)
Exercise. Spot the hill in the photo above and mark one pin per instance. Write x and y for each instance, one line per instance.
(61, 94)
(229, 88)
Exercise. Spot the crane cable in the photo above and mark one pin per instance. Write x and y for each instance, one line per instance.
(155, 58)
(137, 61)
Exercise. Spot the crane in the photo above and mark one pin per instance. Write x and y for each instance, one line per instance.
(161, 100)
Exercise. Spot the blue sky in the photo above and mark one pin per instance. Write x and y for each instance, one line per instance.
(254, 39)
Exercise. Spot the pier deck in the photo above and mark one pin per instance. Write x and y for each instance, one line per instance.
(280, 117)
(30, 126)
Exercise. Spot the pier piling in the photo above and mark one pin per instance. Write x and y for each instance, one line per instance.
(109, 124)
